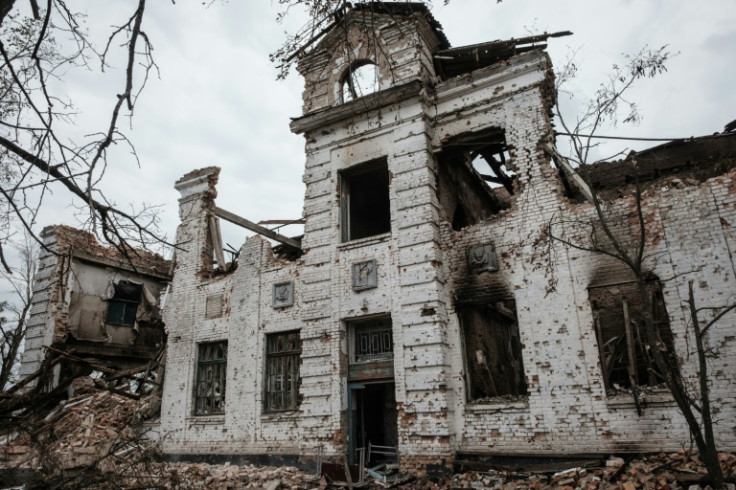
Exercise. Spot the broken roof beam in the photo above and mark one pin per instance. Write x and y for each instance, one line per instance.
(247, 224)
(500, 44)
(576, 179)
(217, 243)
(451, 62)
(299, 221)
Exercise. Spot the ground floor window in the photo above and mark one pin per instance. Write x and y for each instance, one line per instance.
(283, 351)
(493, 361)
(209, 393)
(626, 355)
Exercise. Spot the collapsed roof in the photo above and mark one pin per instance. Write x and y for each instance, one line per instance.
(698, 158)
(448, 61)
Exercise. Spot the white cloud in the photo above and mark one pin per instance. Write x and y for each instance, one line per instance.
(218, 103)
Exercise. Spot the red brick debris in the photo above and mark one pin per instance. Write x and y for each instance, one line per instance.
(98, 439)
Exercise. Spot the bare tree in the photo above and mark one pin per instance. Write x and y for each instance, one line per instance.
(35, 158)
(13, 331)
(619, 230)
(39, 42)
(323, 16)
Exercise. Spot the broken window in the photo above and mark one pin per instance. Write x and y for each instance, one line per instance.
(359, 80)
(493, 360)
(364, 201)
(209, 392)
(475, 179)
(122, 307)
(283, 351)
(626, 356)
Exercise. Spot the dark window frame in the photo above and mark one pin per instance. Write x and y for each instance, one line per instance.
(122, 308)
(481, 384)
(282, 377)
(210, 386)
(371, 340)
(365, 209)
(611, 332)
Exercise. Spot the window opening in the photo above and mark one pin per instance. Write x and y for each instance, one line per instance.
(370, 349)
(365, 204)
(359, 80)
(283, 351)
(476, 179)
(373, 424)
(122, 307)
(626, 356)
(494, 159)
(493, 358)
(209, 394)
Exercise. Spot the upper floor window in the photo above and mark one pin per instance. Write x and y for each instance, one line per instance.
(364, 201)
(122, 307)
(359, 80)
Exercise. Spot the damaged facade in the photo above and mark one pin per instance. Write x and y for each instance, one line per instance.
(92, 306)
(425, 315)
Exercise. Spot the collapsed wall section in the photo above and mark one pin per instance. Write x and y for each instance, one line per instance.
(76, 307)
(232, 366)
(572, 406)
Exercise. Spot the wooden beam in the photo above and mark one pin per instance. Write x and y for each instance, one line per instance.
(247, 224)
(630, 346)
(217, 242)
(576, 179)
(299, 221)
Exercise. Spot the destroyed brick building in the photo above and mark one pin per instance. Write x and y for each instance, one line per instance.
(92, 305)
(426, 314)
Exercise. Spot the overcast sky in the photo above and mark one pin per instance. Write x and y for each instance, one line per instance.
(217, 101)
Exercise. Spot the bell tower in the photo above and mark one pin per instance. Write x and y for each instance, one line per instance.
(371, 47)
(372, 271)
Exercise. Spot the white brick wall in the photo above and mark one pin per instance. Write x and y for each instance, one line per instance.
(421, 263)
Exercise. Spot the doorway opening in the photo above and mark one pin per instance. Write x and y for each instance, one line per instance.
(373, 423)
(372, 414)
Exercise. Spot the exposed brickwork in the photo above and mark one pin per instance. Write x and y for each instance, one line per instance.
(75, 273)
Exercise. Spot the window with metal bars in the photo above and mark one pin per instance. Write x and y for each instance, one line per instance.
(209, 392)
(373, 340)
(283, 352)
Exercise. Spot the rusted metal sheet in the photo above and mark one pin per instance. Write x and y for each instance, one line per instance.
(371, 370)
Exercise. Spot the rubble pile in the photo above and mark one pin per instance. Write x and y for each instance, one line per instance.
(220, 477)
(680, 470)
(96, 440)
(91, 433)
